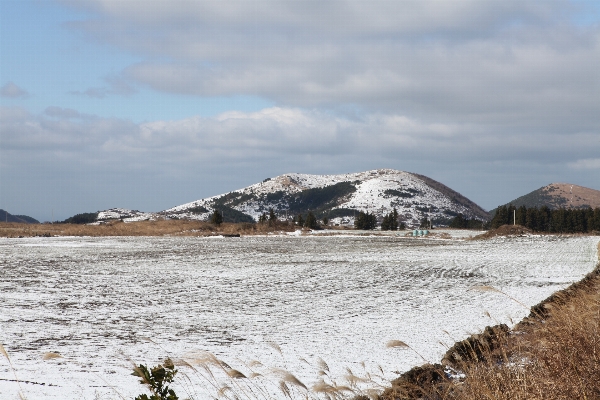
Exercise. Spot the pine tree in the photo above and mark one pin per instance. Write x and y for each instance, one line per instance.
(595, 225)
(359, 220)
(371, 221)
(531, 218)
(272, 216)
(365, 221)
(300, 220)
(544, 219)
(216, 218)
(385, 224)
(311, 221)
(521, 215)
(263, 218)
(390, 221)
(500, 218)
(459, 222)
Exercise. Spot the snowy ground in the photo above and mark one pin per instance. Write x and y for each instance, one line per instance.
(94, 300)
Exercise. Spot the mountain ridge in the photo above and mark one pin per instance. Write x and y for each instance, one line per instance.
(558, 195)
(5, 216)
(339, 197)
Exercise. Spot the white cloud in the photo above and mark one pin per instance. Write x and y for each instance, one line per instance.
(12, 91)
(587, 163)
(160, 164)
(460, 89)
(509, 63)
(283, 134)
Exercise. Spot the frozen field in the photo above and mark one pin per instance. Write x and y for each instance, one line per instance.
(94, 300)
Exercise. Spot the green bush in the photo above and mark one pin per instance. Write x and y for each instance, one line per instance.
(156, 379)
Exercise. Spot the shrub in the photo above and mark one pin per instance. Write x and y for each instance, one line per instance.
(156, 379)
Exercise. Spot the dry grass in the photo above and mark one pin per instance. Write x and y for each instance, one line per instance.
(201, 374)
(552, 354)
(575, 196)
(142, 228)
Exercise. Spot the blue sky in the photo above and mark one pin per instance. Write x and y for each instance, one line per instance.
(55, 62)
(148, 105)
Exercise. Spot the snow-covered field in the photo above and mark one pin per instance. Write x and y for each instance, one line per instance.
(95, 300)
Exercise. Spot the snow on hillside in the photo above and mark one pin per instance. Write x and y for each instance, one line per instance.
(124, 214)
(376, 191)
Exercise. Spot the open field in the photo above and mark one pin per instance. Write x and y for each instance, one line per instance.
(95, 300)
(140, 228)
(194, 229)
(550, 355)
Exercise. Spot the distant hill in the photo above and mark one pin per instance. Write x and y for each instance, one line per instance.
(338, 197)
(557, 195)
(24, 219)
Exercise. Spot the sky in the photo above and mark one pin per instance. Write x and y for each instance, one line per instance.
(150, 104)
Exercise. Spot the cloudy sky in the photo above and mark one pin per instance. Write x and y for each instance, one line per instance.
(151, 104)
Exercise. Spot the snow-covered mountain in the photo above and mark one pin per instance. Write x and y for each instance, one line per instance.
(338, 197)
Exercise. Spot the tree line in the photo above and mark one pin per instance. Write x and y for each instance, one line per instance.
(460, 222)
(271, 219)
(544, 219)
(368, 221)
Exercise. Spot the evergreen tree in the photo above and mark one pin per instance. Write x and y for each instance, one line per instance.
(272, 216)
(390, 221)
(300, 220)
(500, 218)
(458, 222)
(385, 224)
(365, 221)
(263, 218)
(311, 221)
(554, 221)
(216, 218)
(371, 221)
(531, 218)
(595, 225)
(325, 221)
(521, 215)
(544, 219)
(394, 221)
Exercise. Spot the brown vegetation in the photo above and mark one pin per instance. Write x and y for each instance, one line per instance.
(552, 354)
(505, 230)
(143, 228)
(573, 196)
